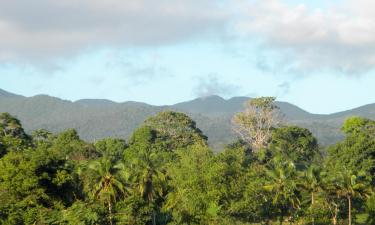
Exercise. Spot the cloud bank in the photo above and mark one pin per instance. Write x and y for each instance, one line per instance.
(44, 28)
(340, 37)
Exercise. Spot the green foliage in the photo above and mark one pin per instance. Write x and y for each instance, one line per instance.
(11, 126)
(175, 130)
(168, 175)
(370, 209)
(134, 209)
(192, 200)
(358, 125)
(357, 151)
(69, 144)
(111, 148)
(283, 188)
(82, 213)
(33, 184)
(12, 135)
(42, 137)
(294, 144)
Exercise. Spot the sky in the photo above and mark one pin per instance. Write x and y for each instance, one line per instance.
(318, 55)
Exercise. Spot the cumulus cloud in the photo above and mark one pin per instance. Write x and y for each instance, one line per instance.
(212, 85)
(340, 37)
(44, 28)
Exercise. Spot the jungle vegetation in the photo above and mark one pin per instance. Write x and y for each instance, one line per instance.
(166, 173)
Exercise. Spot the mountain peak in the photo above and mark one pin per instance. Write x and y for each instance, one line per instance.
(212, 97)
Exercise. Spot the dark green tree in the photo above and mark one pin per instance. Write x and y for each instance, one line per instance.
(107, 185)
(295, 144)
(283, 186)
(175, 130)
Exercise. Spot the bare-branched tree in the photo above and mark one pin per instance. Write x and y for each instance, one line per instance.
(255, 123)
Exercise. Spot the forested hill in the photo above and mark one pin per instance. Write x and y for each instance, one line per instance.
(95, 118)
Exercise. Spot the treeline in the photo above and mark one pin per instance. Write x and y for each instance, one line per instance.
(166, 174)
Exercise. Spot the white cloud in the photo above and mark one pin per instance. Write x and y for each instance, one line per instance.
(212, 85)
(45, 28)
(340, 38)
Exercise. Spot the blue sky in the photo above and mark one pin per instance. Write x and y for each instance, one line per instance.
(317, 55)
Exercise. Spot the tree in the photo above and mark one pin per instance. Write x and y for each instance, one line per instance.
(107, 186)
(295, 144)
(357, 151)
(312, 182)
(357, 125)
(84, 213)
(149, 176)
(111, 148)
(35, 184)
(69, 145)
(370, 209)
(42, 136)
(175, 130)
(350, 185)
(11, 126)
(12, 135)
(255, 123)
(191, 199)
(284, 187)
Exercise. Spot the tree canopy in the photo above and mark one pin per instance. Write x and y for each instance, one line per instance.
(167, 174)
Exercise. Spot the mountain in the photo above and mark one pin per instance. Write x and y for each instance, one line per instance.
(6, 94)
(98, 118)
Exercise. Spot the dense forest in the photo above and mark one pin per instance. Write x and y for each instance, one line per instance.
(165, 173)
(95, 119)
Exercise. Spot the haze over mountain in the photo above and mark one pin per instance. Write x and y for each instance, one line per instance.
(97, 118)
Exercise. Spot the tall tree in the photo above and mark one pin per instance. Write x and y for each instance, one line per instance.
(295, 144)
(107, 185)
(255, 123)
(191, 200)
(149, 176)
(312, 181)
(11, 126)
(350, 185)
(174, 130)
(357, 151)
(283, 187)
(111, 148)
(12, 134)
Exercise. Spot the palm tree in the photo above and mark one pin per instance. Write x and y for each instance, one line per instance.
(107, 185)
(284, 187)
(312, 182)
(149, 176)
(349, 185)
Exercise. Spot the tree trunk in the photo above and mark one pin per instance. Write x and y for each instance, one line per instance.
(312, 207)
(153, 217)
(110, 212)
(334, 219)
(349, 210)
(281, 217)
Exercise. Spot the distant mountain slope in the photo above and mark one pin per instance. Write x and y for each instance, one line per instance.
(97, 118)
(8, 94)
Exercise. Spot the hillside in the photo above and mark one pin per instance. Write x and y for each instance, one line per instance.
(96, 118)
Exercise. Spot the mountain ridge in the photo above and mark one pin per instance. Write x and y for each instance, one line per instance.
(98, 118)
